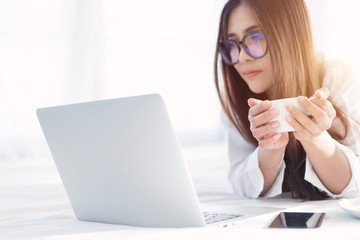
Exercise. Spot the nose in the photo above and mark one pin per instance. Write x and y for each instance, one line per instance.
(243, 56)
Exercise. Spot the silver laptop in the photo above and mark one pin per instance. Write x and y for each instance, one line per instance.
(120, 163)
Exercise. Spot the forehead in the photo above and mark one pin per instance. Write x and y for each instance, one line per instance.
(241, 18)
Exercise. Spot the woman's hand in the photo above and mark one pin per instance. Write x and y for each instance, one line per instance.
(322, 114)
(259, 117)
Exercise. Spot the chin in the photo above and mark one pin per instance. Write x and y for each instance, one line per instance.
(257, 90)
(258, 87)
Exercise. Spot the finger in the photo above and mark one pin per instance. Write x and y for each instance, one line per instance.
(264, 117)
(269, 140)
(326, 106)
(322, 92)
(252, 102)
(299, 128)
(312, 108)
(260, 107)
(302, 120)
(265, 130)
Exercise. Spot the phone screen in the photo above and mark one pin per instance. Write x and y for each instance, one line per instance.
(298, 220)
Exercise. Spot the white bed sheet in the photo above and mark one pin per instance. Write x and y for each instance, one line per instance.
(33, 205)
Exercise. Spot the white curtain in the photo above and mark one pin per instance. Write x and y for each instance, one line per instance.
(84, 66)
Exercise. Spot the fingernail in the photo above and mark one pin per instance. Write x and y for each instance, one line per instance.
(274, 112)
(288, 118)
(301, 99)
(319, 93)
(289, 107)
(275, 125)
(266, 103)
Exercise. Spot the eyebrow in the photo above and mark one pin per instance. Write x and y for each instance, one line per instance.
(248, 29)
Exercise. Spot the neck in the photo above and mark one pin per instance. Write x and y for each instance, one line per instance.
(270, 93)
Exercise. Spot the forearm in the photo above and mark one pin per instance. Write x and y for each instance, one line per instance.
(329, 162)
(270, 163)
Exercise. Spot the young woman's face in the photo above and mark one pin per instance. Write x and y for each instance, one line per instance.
(257, 73)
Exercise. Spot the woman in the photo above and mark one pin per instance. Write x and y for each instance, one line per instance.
(267, 53)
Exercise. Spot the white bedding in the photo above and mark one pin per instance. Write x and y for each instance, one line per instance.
(33, 205)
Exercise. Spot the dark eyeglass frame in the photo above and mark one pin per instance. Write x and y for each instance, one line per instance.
(242, 43)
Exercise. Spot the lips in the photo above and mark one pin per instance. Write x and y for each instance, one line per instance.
(251, 73)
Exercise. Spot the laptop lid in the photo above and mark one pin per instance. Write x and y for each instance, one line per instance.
(120, 162)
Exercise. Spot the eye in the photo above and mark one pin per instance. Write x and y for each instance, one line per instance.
(256, 37)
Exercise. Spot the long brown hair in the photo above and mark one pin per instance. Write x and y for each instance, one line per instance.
(296, 71)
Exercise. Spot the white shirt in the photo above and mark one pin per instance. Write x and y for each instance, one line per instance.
(245, 174)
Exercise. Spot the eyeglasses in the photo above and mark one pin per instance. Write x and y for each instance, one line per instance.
(254, 44)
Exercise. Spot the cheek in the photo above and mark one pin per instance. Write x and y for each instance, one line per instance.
(237, 68)
(269, 82)
(268, 69)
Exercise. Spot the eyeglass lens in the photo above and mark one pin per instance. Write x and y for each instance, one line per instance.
(254, 44)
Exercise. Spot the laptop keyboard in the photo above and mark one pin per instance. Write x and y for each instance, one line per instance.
(218, 217)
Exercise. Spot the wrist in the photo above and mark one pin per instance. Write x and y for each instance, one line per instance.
(316, 140)
(323, 143)
(271, 158)
(277, 151)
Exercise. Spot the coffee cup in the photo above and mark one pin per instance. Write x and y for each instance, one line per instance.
(281, 104)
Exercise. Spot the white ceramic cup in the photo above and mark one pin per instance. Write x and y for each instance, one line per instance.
(280, 104)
